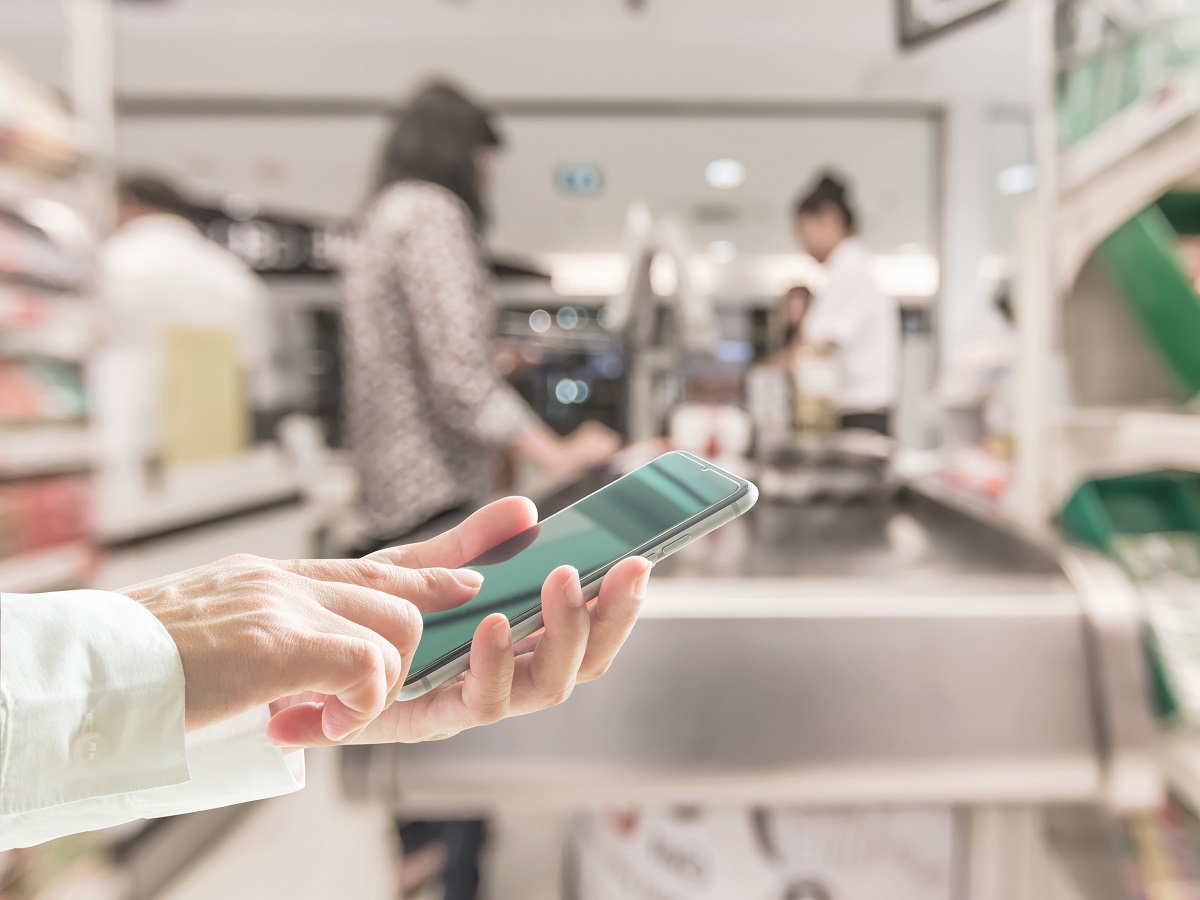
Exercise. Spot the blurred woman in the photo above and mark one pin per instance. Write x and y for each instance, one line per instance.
(792, 310)
(850, 317)
(428, 413)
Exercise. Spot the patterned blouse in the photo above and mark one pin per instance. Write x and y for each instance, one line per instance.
(426, 408)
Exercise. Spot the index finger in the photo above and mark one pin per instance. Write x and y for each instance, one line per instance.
(482, 530)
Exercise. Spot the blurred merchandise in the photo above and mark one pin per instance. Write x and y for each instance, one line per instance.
(769, 402)
(711, 430)
(1143, 259)
(816, 383)
(976, 471)
(36, 514)
(47, 331)
(694, 854)
(41, 391)
(1158, 853)
(36, 134)
(1150, 524)
(1124, 72)
(204, 413)
(28, 256)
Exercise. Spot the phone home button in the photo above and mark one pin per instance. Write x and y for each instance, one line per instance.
(676, 544)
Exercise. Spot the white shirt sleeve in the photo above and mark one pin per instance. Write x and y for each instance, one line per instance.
(839, 311)
(92, 724)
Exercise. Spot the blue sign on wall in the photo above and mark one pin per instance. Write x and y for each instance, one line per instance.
(579, 179)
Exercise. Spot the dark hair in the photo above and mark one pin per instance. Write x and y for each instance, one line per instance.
(434, 139)
(152, 192)
(829, 191)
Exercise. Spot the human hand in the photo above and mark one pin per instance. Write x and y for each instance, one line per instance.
(590, 444)
(251, 631)
(578, 643)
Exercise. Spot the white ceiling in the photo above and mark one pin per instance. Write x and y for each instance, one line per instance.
(821, 51)
(508, 48)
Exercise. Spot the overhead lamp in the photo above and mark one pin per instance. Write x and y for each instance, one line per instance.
(725, 173)
(1016, 179)
(721, 252)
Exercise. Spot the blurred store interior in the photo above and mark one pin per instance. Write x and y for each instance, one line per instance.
(953, 652)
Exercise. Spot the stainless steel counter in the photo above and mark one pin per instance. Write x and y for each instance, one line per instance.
(828, 655)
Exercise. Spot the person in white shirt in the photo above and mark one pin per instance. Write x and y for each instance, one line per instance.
(850, 317)
(197, 690)
(158, 270)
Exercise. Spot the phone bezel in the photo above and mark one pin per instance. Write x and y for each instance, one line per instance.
(742, 489)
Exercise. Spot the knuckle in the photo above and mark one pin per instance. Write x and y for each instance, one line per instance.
(407, 623)
(596, 671)
(428, 581)
(365, 658)
(559, 695)
(376, 575)
(248, 562)
(393, 662)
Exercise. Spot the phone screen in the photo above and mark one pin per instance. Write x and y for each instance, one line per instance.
(626, 517)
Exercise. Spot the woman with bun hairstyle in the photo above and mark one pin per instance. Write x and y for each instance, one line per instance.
(850, 317)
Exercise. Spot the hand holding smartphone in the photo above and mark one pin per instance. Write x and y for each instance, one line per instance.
(651, 512)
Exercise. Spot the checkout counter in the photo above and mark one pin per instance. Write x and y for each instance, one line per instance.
(895, 653)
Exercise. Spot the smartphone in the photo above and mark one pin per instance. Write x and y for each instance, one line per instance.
(652, 512)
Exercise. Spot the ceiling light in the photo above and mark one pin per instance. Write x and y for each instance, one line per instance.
(722, 252)
(1016, 179)
(725, 173)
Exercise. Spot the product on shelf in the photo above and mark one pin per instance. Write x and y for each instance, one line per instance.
(1158, 853)
(39, 513)
(35, 132)
(41, 391)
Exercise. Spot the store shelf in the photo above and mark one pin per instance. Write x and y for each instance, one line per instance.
(36, 133)
(45, 450)
(1127, 132)
(129, 508)
(1115, 441)
(1091, 209)
(45, 570)
(1180, 757)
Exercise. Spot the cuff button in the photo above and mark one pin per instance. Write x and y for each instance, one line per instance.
(88, 750)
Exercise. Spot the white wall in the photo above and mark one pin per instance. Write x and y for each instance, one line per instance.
(821, 51)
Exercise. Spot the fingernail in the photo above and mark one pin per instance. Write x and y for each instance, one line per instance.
(640, 586)
(469, 578)
(502, 635)
(573, 590)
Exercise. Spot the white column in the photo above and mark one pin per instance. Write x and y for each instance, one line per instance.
(90, 80)
(965, 224)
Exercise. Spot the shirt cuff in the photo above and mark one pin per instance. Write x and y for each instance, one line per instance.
(230, 762)
(92, 700)
(92, 724)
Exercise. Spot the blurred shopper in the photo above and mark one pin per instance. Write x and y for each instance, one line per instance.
(428, 414)
(850, 317)
(793, 308)
(156, 272)
(196, 690)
